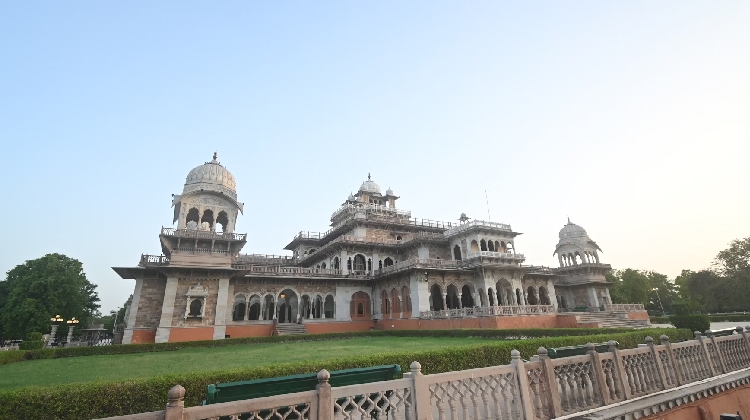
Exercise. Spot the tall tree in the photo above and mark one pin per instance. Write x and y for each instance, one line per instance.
(41, 288)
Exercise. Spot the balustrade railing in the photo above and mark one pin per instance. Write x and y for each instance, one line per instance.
(489, 311)
(264, 259)
(203, 234)
(419, 262)
(624, 307)
(456, 229)
(149, 260)
(541, 389)
(493, 254)
(276, 270)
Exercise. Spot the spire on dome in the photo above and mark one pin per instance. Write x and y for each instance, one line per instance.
(368, 176)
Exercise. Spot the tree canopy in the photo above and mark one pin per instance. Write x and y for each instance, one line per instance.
(39, 289)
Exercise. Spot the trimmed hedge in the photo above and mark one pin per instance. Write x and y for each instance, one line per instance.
(95, 400)
(506, 334)
(692, 322)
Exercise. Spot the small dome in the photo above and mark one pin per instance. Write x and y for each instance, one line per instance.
(370, 186)
(211, 174)
(572, 230)
(351, 197)
(389, 191)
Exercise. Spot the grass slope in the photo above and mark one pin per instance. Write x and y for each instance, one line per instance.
(143, 365)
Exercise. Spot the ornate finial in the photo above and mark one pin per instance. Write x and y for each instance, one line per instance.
(368, 176)
(215, 156)
(568, 219)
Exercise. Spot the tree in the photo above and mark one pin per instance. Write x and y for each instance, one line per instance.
(41, 288)
(631, 286)
(662, 292)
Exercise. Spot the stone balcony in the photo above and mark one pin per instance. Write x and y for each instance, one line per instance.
(492, 254)
(153, 260)
(477, 224)
(203, 234)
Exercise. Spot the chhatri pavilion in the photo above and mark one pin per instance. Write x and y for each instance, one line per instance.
(376, 267)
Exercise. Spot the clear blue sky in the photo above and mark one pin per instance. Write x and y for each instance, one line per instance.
(632, 118)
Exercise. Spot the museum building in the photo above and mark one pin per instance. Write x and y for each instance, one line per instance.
(376, 267)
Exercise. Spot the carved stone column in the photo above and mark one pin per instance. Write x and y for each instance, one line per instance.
(220, 323)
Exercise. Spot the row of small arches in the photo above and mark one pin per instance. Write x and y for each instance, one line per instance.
(222, 219)
(576, 258)
(393, 305)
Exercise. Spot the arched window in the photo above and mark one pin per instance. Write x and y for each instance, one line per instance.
(483, 245)
(385, 307)
(369, 264)
(491, 246)
(474, 246)
(223, 221)
(336, 263)
(452, 297)
(349, 264)
(196, 307)
(519, 298)
(359, 264)
(238, 309)
(192, 216)
(398, 238)
(329, 307)
(360, 305)
(543, 296)
(380, 265)
(387, 262)
(208, 217)
(457, 253)
(395, 302)
(503, 247)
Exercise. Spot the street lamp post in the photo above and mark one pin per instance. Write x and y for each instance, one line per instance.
(657, 296)
(72, 322)
(56, 321)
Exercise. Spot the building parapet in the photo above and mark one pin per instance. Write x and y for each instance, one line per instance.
(624, 307)
(493, 254)
(265, 270)
(263, 259)
(203, 234)
(614, 384)
(352, 208)
(351, 239)
(153, 260)
(455, 230)
(419, 263)
(489, 311)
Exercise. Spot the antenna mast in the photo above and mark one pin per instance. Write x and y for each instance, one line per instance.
(489, 218)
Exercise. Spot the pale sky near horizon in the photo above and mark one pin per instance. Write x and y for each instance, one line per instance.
(631, 118)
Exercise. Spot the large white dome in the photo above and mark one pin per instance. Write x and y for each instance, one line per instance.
(370, 186)
(572, 230)
(211, 176)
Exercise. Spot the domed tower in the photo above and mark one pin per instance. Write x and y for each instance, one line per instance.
(582, 277)
(206, 215)
(575, 247)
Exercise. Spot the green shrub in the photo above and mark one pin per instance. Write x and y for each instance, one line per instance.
(95, 400)
(730, 317)
(692, 322)
(506, 334)
(33, 342)
(660, 320)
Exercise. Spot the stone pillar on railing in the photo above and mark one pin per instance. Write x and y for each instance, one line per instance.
(549, 377)
(706, 355)
(421, 395)
(175, 403)
(722, 363)
(325, 400)
(601, 380)
(672, 360)
(745, 335)
(527, 403)
(657, 363)
(622, 375)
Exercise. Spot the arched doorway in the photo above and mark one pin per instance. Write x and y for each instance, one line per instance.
(436, 297)
(328, 307)
(467, 301)
(452, 298)
(360, 264)
(504, 292)
(457, 253)
(254, 310)
(491, 296)
(239, 308)
(543, 296)
(531, 296)
(360, 306)
(288, 306)
(270, 308)
(406, 301)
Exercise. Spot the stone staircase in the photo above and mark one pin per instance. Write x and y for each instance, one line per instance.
(611, 320)
(290, 329)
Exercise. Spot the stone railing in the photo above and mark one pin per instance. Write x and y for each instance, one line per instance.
(489, 311)
(623, 307)
(492, 254)
(419, 263)
(540, 389)
(264, 259)
(203, 234)
(476, 223)
(275, 270)
(153, 260)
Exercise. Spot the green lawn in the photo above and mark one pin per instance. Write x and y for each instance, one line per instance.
(142, 365)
